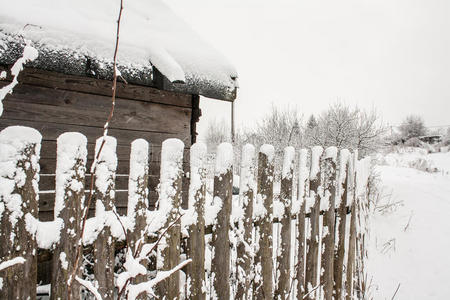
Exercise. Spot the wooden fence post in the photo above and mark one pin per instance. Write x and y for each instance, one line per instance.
(223, 185)
(69, 200)
(328, 204)
(312, 242)
(283, 276)
(19, 157)
(302, 189)
(341, 221)
(244, 247)
(138, 199)
(104, 189)
(196, 244)
(169, 206)
(352, 236)
(263, 282)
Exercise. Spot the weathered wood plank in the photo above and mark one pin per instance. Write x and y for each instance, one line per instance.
(196, 241)
(131, 115)
(223, 186)
(138, 191)
(283, 275)
(302, 192)
(341, 221)
(137, 206)
(104, 204)
(19, 280)
(328, 202)
(70, 172)
(351, 256)
(51, 131)
(48, 166)
(313, 237)
(48, 149)
(169, 205)
(91, 85)
(247, 190)
(263, 282)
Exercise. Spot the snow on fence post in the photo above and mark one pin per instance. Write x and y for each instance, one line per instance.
(69, 200)
(138, 198)
(223, 185)
(105, 165)
(350, 270)
(283, 276)
(19, 157)
(341, 220)
(301, 215)
(196, 243)
(313, 206)
(244, 248)
(169, 203)
(328, 206)
(263, 281)
(138, 191)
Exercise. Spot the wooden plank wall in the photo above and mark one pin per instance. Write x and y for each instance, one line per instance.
(55, 103)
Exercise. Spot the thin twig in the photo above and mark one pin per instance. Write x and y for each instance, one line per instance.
(105, 133)
(315, 288)
(396, 291)
(123, 227)
(409, 221)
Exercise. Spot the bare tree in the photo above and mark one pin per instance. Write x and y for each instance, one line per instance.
(280, 128)
(412, 126)
(345, 127)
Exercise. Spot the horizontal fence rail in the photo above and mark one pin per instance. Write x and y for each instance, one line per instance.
(302, 243)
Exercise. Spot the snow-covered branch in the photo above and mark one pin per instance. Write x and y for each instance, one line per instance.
(11, 262)
(29, 54)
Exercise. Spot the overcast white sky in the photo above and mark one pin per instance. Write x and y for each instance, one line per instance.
(393, 55)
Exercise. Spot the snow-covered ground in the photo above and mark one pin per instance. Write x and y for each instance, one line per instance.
(410, 241)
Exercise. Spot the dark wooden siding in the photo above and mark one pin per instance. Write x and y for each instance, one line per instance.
(55, 103)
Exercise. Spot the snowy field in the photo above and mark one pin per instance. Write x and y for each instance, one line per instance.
(410, 237)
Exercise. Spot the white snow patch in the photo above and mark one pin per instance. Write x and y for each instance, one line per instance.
(316, 152)
(224, 159)
(269, 151)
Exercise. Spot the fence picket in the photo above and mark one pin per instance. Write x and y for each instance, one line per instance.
(283, 276)
(302, 191)
(341, 221)
(69, 200)
(263, 282)
(169, 205)
(138, 199)
(19, 148)
(349, 283)
(223, 185)
(328, 203)
(196, 244)
(312, 241)
(104, 189)
(244, 251)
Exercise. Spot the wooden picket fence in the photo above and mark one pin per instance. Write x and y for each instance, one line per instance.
(235, 253)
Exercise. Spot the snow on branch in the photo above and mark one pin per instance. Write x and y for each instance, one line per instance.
(91, 288)
(11, 262)
(29, 54)
(147, 287)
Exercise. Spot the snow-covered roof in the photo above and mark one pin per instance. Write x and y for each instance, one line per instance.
(78, 38)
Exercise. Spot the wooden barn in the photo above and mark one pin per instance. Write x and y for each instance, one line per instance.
(166, 67)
